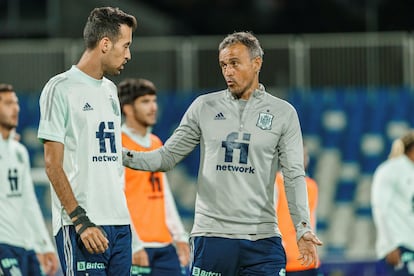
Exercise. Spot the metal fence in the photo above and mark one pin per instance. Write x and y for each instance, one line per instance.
(191, 63)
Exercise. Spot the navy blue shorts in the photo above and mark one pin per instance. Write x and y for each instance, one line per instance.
(16, 259)
(76, 260)
(222, 256)
(163, 262)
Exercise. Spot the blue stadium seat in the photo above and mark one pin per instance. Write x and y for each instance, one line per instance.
(345, 191)
(355, 104)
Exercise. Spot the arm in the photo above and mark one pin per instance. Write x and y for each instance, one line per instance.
(49, 262)
(175, 225)
(184, 139)
(42, 242)
(382, 194)
(291, 160)
(312, 187)
(139, 255)
(92, 236)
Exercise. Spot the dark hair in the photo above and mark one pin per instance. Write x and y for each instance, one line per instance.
(408, 141)
(105, 22)
(245, 38)
(131, 89)
(4, 87)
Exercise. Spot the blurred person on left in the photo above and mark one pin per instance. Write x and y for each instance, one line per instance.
(25, 243)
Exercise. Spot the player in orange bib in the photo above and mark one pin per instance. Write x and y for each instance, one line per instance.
(286, 227)
(150, 201)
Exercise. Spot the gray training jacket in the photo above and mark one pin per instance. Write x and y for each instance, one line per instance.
(241, 150)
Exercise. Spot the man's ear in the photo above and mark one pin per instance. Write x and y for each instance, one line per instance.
(257, 61)
(127, 109)
(105, 44)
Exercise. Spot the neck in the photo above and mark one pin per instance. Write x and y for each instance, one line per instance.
(245, 95)
(137, 127)
(5, 133)
(410, 155)
(90, 64)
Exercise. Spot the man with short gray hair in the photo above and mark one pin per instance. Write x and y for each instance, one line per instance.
(245, 134)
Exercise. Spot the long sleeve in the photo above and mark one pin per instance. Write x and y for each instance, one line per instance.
(137, 244)
(184, 139)
(382, 197)
(174, 223)
(291, 161)
(41, 238)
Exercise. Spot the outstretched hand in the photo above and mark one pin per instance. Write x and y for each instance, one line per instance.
(307, 248)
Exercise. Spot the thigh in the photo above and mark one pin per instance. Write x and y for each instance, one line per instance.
(264, 257)
(120, 249)
(214, 256)
(18, 261)
(33, 264)
(75, 259)
(164, 261)
(12, 260)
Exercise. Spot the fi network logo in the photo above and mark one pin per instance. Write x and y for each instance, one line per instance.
(13, 180)
(106, 136)
(103, 135)
(15, 189)
(231, 145)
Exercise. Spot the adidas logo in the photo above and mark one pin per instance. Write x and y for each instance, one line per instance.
(219, 116)
(87, 107)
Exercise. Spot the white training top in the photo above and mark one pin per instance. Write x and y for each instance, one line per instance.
(84, 114)
(241, 149)
(393, 204)
(21, 221)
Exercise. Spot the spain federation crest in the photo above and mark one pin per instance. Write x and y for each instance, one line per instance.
(265, 121)
(115, 106)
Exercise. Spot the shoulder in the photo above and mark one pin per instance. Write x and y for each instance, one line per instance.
(278, 102)
(155, 140)
(19, 149)
(212, 96)
(206, 101)
(310, 181)
(311, 185)
(108, 83)
(390, 167)
(57, 81)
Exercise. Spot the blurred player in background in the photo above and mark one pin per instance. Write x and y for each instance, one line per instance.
(23, 232)
(149, 198)
(80, 126)
(393, 207)
(244, 133)
(293, 266)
